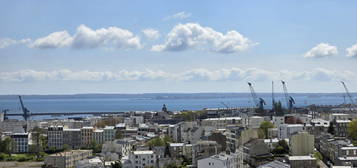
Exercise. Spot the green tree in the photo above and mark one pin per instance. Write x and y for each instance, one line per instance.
(119, 135)
(6, 145)
(281, 148)
(264, 126)
(352, 130)
(278, 108)
(116, 164)
(318, 155)
(97, 148)
(158, 141)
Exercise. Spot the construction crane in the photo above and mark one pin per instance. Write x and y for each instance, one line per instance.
(259, 102)
(272, 96)
(225, 105)
(289, 100)
(26, 112)
(347, 92)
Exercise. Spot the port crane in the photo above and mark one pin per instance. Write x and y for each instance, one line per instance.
(348, 95)
(26, 113)
(289, 100)
(259, 102)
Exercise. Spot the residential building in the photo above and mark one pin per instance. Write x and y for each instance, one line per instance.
(302, 144)
(72, 138)
(255, 121)
(340, 127)
(67, 159)
(286, 130)
(55, 137)
(112, 150)
(21, 142)
(302, 161)
(143, 159)
(86, 136)
(97, 136)
(109, 133)
(219, 161)
(255, 151)
(203, 149)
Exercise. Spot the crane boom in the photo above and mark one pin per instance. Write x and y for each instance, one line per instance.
(254, 95)
(348, 93)
(289, 100)
(26, 112)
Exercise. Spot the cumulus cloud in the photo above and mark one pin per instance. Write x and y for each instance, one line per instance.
(201, 74)
(352, 51)
(6, 42)
(193, 35)
(179, 15)
(321, 50)
(85, 38)
(151, 33)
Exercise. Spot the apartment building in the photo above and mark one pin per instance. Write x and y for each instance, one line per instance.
(143, 159)
(86, 136)
(21, 142)
(72, 138)
(66, 159)
(55, 137)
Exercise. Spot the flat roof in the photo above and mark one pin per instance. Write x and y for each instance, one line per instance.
(301, 158)
(349, 148)
(223, 118)
(148, 152)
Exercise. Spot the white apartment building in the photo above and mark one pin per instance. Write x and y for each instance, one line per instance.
(98, 136)
(219, 161)
(143, 159)
(255, 121)
(21, 141)
(286, 130)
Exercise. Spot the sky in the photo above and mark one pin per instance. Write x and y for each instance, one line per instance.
(69, 47)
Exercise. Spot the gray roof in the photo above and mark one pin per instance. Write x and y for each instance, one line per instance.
(275, 164)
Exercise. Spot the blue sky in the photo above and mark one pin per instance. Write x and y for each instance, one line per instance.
(63, 47)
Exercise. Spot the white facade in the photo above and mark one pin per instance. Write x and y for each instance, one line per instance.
(143, 159)
(286, 130)
(219, 161)
(278, 120)
(255, 121)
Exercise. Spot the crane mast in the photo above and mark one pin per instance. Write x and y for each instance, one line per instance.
(259, 102)
(26, 112)
(289, 100)
(348, 93)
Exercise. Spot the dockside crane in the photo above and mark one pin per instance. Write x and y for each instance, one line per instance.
(26, 112)
(259, 102)
(348, 95)
(289, 100)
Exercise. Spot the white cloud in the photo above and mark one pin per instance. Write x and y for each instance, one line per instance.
(6, 42)
(179, 15)
(54, 40)
(227, 74)
(321, 50)
(151, 33)
(191, 35)
(85, 37)
(352, 51)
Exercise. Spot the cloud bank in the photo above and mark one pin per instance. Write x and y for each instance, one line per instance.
(151, 33)
(352, 51)
(193, 35)
(87, 38)
(179, 15)
(321, 50)
(6, 42)
(229, 74)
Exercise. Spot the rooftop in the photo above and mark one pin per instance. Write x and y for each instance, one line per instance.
(143, 152)
(301, 158)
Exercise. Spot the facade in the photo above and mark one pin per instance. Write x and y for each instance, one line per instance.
(340, 127)
(302, 161)
(98, 136)
(302, 144)
(111, 150)
(109, 133)
(286, 130)
(255, 121)
(178, 150)
(219, 161)
(86, 136)
(203, 149)
(55, 137)
(21, 142)
(67, 159)
(72, 138)
(143, 159)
